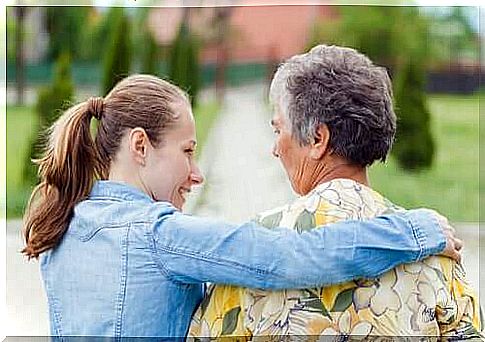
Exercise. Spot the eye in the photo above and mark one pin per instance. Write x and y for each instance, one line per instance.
(276, 131)
(189, 151)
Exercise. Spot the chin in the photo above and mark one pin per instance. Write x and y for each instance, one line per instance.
(296, 189)
(178, 204)
(300, 190)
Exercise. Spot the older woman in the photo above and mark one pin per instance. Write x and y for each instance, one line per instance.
(333, 118)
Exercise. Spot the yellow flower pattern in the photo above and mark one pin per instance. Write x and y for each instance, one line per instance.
(431, 297)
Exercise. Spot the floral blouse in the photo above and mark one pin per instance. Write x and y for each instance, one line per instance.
(430, 297)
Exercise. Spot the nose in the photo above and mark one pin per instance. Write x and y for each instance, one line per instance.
(274, 151)
(196, 176)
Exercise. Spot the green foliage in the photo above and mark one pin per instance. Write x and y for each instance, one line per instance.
(11, 30)
(384, 34)
(151, 54)
(366, 28)
(414, 147)
(184, 69)
(452, 36)
(117, 60)
(51, 101)
(66, 26)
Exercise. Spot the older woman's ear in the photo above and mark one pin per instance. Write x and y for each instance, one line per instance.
(320, 145)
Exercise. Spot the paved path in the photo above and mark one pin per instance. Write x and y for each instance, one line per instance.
(242, 179)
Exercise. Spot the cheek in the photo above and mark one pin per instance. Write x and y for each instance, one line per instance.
(284, 148)
(182, 171)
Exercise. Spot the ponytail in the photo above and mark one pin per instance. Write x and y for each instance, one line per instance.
(67, 171)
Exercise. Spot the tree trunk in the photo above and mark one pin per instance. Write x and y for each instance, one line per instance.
(222, 17)
(19, 55)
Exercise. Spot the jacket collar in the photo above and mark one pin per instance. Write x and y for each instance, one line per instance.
(118, 191)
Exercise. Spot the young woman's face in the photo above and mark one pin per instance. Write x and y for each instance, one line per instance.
(170, 170)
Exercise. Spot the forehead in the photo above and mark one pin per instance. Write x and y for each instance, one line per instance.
(184, 127)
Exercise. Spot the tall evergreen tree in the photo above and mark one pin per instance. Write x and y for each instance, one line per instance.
(184, 68)
(66, 26)
(414, 147)
(19, 54)
(151, 54)
(51, 101)
(118, 56)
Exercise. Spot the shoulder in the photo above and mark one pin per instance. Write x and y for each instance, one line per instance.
(271, 218)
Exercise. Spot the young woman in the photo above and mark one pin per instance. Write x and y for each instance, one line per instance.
(119, 258)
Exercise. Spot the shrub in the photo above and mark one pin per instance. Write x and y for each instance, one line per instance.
(118, 56)
(184, 68)
(51, 101)
(151, 54)
(414, 147)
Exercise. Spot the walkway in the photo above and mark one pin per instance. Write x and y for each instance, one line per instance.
(242, 176)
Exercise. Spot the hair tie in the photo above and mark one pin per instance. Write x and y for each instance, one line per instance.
(96, 107)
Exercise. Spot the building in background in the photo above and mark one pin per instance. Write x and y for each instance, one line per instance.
(254, 34)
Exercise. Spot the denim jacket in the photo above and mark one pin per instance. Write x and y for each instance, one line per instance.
(130, 266)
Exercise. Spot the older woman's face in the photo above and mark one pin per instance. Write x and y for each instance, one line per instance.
(294, 157)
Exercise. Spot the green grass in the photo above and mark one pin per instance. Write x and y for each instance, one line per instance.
(205, 115)
(22, 124)
(452, 185)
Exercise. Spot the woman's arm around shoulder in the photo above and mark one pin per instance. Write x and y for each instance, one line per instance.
(191, 249)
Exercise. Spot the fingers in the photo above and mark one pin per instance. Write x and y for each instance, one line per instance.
(453, 247)
(458, 244)
(453, 253)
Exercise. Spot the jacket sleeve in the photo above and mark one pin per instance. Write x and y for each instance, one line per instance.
(192, 250)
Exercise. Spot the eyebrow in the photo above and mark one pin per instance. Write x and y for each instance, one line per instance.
(273, 122)
(193, 142)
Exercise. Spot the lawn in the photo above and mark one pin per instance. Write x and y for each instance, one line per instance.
(22, 123)
(452, 185)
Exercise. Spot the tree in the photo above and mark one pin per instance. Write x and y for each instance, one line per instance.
(452, 34)
(66, 26)
(118, 56)
(369, 29)
(414, 147)
(221, 23)
(184, 68)
(19, 54)
(51, 101)
(151, 54)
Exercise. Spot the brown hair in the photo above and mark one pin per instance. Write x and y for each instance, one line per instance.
(72, 160)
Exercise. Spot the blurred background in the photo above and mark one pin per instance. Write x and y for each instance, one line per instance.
(225, 58)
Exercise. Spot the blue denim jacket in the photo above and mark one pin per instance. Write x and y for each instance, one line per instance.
(129, 266)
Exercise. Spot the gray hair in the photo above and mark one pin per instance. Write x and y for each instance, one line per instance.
(343, 89)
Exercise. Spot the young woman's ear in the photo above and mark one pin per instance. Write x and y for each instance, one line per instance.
(320, 147)
(138, 144)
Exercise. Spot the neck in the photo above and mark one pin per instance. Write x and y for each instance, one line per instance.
(333, 168)
(123, 175)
